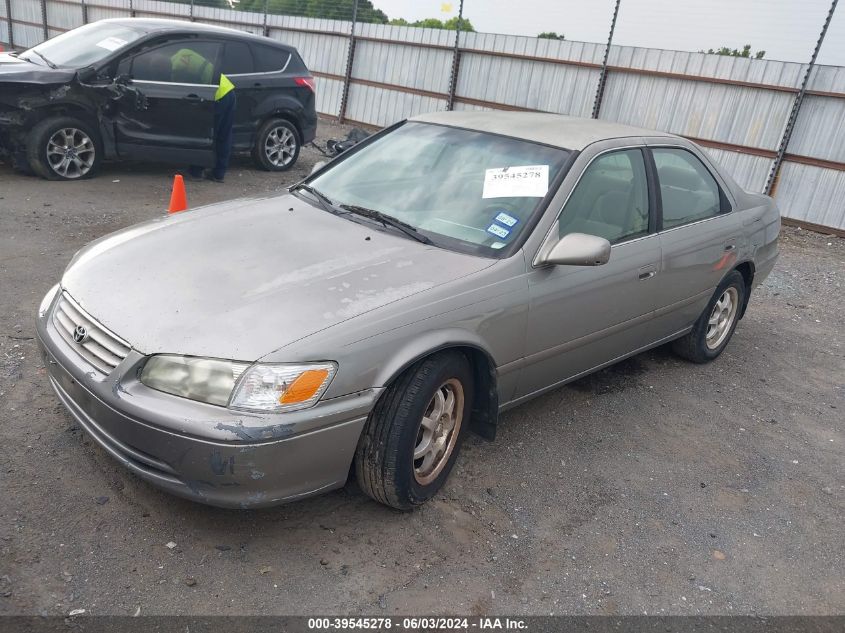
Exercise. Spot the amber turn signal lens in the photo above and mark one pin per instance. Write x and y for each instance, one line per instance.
(305, 386)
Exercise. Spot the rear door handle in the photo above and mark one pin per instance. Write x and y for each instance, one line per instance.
(193, 98)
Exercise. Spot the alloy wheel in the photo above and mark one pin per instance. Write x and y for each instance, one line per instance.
(70, 153)
(439, 431)
(722, 318)
(280, 146)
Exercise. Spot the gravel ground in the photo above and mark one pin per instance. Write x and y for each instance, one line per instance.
(655, 486)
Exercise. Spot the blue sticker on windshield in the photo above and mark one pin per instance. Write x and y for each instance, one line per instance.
(498, 231)
(507, 220)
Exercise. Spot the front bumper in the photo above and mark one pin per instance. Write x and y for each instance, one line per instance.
(202, 452)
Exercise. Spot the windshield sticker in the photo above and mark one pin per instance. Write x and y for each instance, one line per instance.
(498, 245)
(111, 43)
(531, 181)
(507, 220)
(498, 231)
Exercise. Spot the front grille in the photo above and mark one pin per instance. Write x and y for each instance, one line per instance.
(100, 347)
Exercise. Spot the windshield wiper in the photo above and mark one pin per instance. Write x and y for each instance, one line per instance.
(322, 198)
(387, 220)
(49, 63)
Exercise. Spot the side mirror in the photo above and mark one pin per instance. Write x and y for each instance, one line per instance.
(318, 165)
(579, 249)
(87, 75)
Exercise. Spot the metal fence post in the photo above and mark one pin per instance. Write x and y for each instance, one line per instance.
(84, 12)
(131, 10)
(192, 10)
(9, 22)
(774, 174)
(603, 75)
(44, 19)
(350, 59)
(456, 61)
(265, 28)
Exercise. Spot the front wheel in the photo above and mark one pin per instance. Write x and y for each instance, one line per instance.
(276, 146)
(716, 325)
(64, 148)
(414, 433)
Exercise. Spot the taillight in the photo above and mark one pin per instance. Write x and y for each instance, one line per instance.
(306, 82)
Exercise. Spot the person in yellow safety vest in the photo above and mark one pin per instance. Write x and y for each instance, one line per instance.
(188, 66)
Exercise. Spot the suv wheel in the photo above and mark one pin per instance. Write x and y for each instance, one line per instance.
(276, 146)
(64, 148)
(414, 433)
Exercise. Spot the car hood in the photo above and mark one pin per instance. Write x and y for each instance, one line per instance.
(14, 69)
(242, 279)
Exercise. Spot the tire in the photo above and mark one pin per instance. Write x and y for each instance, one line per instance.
(384, 464)
(276, 145)
(49, 138)
(717, 322)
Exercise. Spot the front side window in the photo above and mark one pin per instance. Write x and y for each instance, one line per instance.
(467, 190)
(186, 62)
(688, 192)
(611, 198)
(83, 46)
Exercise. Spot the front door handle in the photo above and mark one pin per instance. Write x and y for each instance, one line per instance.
(647, 272)
(193, 98)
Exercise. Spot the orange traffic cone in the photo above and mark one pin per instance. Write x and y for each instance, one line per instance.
(178, 199)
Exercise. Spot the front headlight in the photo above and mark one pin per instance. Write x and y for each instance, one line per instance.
(272, 388)
(205, 379)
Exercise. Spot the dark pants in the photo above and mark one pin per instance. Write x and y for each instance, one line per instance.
(224, 121)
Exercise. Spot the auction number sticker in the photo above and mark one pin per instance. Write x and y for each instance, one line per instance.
(527, 181)
(111, 43)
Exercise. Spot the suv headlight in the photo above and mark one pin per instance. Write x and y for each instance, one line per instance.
(267, 387)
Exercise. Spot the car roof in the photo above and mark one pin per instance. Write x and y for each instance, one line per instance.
(568, 132)
(160, 25)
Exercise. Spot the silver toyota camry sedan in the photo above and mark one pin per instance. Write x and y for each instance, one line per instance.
(452, 266)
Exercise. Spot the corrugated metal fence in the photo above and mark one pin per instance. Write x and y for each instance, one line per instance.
(736, 107)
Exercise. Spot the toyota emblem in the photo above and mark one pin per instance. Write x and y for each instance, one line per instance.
(80, 334)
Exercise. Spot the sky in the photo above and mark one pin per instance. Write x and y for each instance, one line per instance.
(786, 29)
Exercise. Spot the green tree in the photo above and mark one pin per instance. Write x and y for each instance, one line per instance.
(551, 35)
(331, 9)
(733, 52)
(433, 23)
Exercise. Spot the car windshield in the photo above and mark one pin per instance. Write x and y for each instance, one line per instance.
(83, 46)
(467, 190)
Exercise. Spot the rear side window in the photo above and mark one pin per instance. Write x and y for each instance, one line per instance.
(269, 59)
(237, 59)
(688, 190)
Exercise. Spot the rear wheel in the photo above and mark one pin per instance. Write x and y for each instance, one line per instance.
(717, 323)
(276, 146)
(413, 436)
(64, 148)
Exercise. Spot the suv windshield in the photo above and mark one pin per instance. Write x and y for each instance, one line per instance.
(83, 46)
(467, 190)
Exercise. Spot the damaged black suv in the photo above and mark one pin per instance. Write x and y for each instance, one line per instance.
(108, 91)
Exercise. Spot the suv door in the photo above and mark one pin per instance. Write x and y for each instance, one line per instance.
(177, 124)
(582, 317)
(699, 236)
(239, 66)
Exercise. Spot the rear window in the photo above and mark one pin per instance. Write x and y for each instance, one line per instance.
(269, 59)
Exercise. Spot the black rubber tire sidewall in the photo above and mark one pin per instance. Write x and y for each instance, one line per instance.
(693, 346)
(392, 431)
(37, 140)
(258, 155)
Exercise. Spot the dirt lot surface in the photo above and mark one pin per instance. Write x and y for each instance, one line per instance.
(656, 486)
